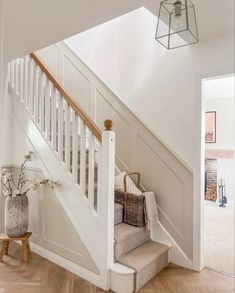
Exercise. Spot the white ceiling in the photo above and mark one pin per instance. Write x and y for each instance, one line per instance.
(215, 17)
(30, 25)
(219, 88)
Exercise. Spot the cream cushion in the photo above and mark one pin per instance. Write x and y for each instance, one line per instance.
(130, 185)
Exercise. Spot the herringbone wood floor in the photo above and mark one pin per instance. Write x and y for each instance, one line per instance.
(42, 276)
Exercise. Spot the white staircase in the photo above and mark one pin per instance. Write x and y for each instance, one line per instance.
(73, 150)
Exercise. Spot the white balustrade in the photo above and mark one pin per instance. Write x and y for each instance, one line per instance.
(62, 126)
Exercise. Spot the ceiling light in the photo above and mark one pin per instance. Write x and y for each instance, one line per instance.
(177, 24)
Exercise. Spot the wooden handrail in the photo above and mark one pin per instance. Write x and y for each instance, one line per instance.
(71, 100)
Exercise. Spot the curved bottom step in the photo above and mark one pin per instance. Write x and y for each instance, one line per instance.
(147, 260)
(122, 278)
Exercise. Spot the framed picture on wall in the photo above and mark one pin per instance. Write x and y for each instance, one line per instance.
(210, 127)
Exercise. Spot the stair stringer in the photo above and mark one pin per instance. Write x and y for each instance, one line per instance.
(69, 195)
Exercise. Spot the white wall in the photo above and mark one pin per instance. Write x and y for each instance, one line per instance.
(1, 52)
(225, 137)
(5, 102)
(1, 44)
(159, 86)
(1, 84)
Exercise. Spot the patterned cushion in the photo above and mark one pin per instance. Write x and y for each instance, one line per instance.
(130, 185)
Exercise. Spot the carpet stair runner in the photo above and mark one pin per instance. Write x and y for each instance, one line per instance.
(134, 249)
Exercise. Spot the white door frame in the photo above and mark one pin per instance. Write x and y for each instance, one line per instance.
(199, 174)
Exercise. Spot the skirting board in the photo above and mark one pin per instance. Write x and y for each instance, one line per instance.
(176, 254)
(66, 264)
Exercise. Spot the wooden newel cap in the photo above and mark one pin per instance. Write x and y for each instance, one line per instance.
(108, 124)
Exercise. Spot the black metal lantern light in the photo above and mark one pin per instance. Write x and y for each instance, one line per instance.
(177, 24)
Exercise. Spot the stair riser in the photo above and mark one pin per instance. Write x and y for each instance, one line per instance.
(151, 270)
(130, 243)
(147, 260)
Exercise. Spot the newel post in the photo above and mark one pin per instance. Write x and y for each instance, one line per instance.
(107, 191)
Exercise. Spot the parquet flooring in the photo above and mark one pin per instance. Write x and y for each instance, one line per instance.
(42, 276)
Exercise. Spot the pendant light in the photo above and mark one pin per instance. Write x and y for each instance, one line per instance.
(177, 24)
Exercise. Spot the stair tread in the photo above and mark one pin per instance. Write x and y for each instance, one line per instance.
(123, 231)
(128, 237)
(143, 255)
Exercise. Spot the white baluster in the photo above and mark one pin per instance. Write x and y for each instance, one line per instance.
(21, 79)
(53, 118)
(30, 89)
(91, 170)
(16, 77)
(47, 110)
(75, 147)
(12, 73)
(60, 127)
(8, 72)
(26, 81)
(83, 157)
(41, 96)
(35, 93)
(99, 181)
(67, 137)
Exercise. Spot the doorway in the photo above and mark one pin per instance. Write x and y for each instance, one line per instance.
(219, 173)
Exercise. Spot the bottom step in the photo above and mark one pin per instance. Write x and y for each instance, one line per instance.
(147, 260)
